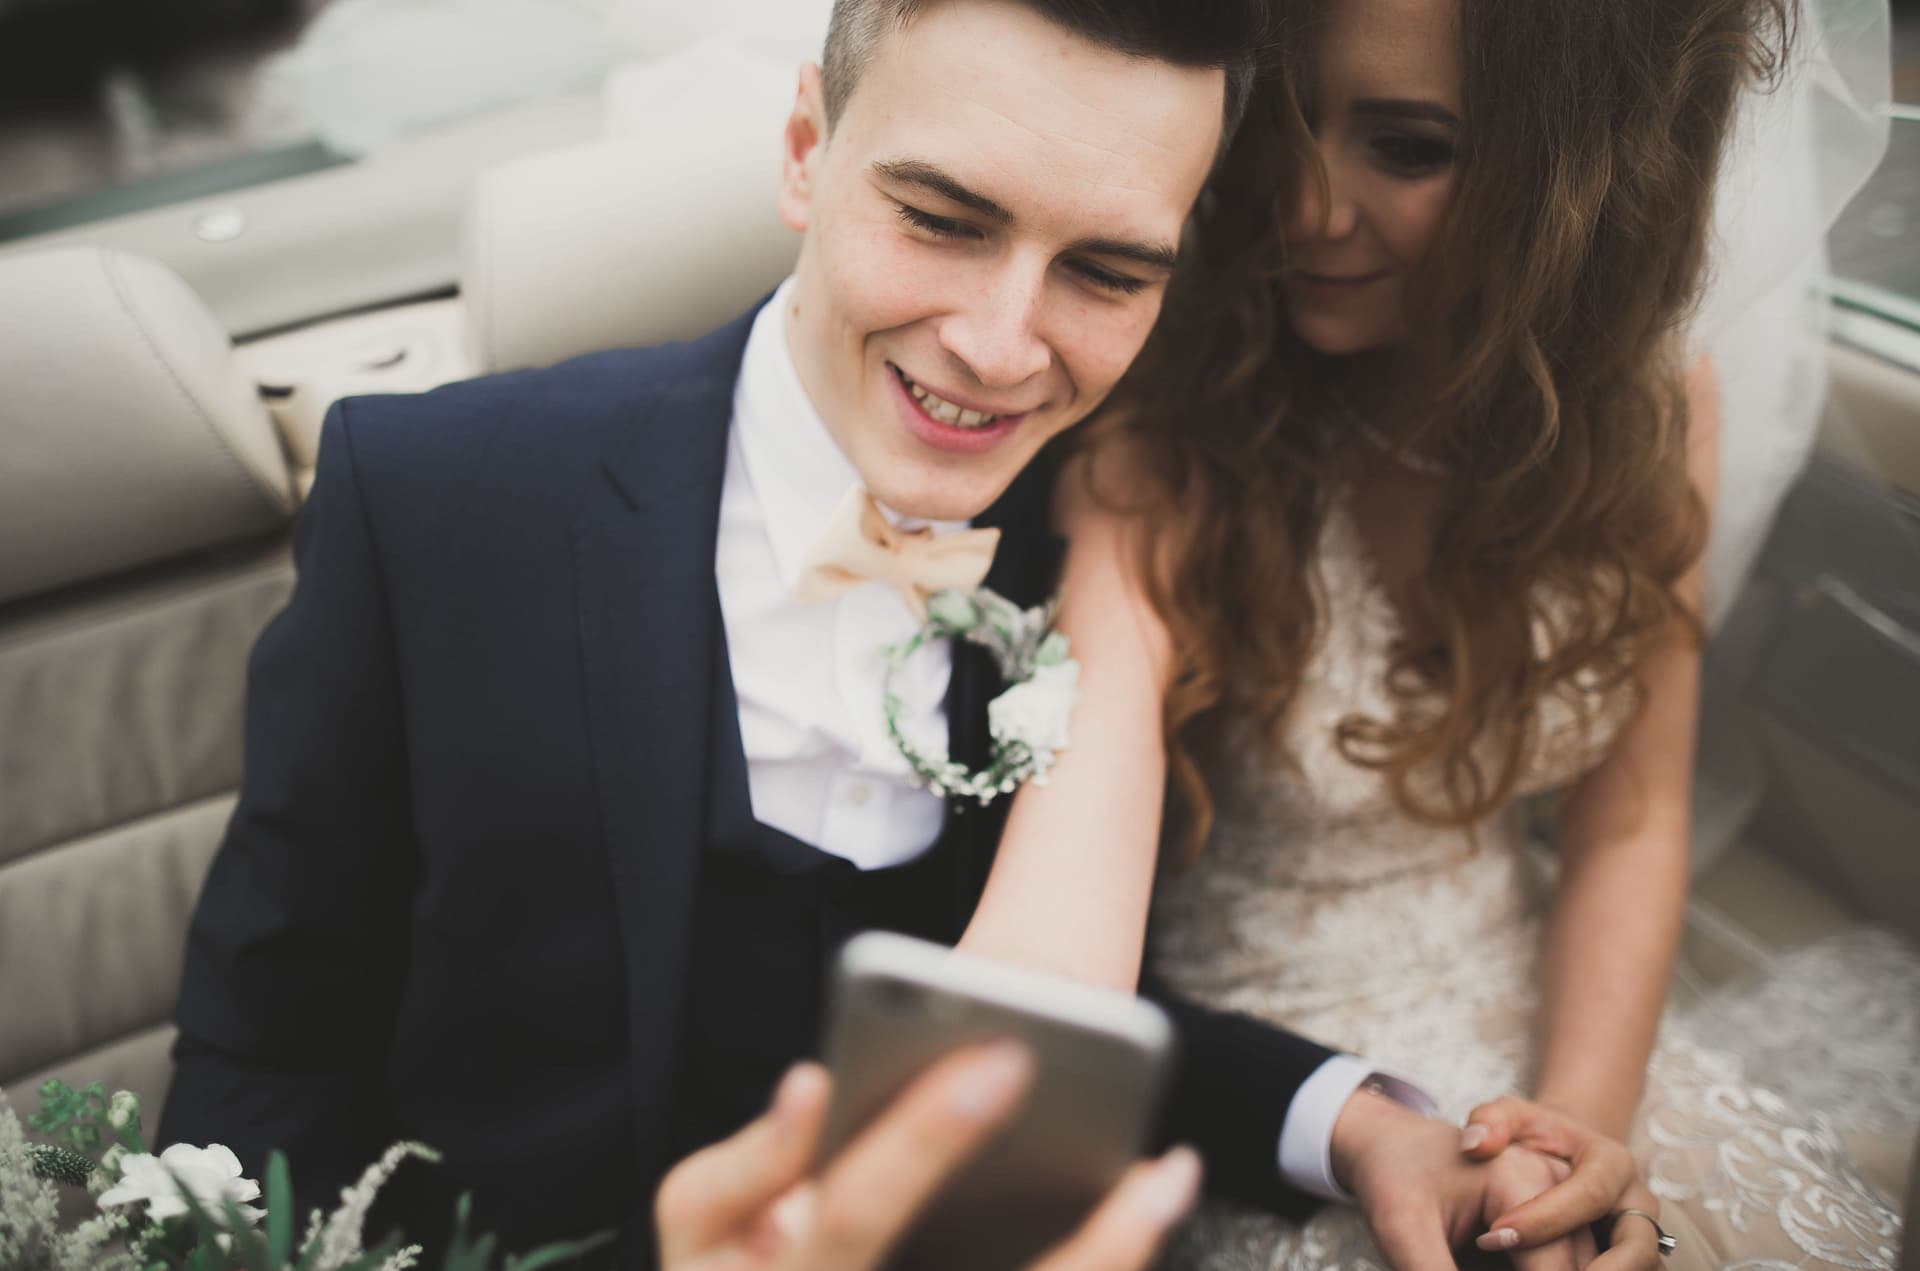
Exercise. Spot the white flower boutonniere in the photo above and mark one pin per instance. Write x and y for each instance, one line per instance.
(1037, 713)
(212, 1174)
(1029, 722)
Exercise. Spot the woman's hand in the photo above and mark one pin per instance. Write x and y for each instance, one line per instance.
(1545, 1180)
(1600, 1179)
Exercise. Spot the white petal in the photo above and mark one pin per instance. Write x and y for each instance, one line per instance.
(219, 1154)
(120, 1194)
(161, 1208)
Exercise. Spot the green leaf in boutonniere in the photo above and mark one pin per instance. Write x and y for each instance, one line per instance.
(950, 612)
(1028, 722)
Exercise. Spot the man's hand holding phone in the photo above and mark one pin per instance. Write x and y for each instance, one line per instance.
(750, 1203)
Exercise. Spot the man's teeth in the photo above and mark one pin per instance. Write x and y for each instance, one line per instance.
(945, 411)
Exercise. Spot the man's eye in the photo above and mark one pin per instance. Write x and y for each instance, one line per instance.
(938, 226)
(1107, 280)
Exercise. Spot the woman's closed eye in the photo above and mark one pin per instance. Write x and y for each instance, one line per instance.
(1412, 154)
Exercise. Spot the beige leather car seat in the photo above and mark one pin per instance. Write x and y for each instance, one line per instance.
(144, 505)
(654, 234)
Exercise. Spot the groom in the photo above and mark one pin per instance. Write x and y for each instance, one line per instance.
(557, 800)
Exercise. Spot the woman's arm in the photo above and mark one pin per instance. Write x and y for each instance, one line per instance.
(1623, 882)
(1070, 885)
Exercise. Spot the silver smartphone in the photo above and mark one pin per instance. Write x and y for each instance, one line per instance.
(1102, 1063)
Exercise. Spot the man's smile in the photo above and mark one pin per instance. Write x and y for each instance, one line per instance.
(944, 424)
(953, 411)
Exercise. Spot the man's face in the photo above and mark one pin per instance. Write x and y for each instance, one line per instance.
(989, 231)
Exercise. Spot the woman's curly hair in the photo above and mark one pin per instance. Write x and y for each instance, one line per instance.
(1544, 373)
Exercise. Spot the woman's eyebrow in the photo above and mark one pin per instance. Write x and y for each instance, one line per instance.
(1404, 108)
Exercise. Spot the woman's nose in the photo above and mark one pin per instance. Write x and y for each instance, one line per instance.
(1324, 208)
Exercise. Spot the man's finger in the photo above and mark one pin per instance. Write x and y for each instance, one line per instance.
(1126, 1232)
(1585, 1248)
(1555, 1255)
(873, 1190)
(1600, 1178)
(720, 1189)
(1413, 1238)
(1526, 1174)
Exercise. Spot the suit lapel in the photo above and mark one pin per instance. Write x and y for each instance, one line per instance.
(643, 551)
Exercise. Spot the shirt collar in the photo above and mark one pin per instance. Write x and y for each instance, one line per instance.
(797, 470)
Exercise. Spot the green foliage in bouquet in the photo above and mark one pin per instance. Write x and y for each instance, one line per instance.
(196, 1216)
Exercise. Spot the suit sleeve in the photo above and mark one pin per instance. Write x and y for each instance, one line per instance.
(1234, 1082)
(298, 946)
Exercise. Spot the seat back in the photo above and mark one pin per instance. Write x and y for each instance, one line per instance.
(655, 234)
(144, 503)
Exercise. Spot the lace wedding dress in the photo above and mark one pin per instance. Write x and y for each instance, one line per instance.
(1779, 1118)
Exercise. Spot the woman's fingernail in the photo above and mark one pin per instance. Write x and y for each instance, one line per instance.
(991, 1080)
(1473, 1136)
(1499, 1239)
(1170, 1192)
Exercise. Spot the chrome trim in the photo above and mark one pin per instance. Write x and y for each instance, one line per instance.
(1877, 322)
(1851, 293)
(1875, 336)
(1869, 615)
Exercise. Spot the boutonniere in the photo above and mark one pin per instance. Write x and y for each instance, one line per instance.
(1028, 722)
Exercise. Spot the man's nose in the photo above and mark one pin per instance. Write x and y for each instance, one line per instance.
(997, 332)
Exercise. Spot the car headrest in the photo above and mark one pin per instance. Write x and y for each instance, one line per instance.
(128, 433)
(659, 234)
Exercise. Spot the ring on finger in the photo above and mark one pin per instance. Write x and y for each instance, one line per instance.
(1666, 1242)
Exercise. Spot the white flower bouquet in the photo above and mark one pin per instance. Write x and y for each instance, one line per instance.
(188, 1209)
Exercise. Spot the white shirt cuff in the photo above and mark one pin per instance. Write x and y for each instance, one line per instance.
(1306, 1137)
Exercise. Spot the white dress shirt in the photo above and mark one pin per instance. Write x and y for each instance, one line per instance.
(820, 765)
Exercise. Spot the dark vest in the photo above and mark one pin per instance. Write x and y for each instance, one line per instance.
(770, 912)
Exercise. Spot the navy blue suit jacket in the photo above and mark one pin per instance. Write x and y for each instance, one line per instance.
(452, 903)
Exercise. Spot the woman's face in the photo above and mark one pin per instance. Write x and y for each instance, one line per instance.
(1384, 108)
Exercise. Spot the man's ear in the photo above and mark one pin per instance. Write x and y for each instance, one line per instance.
(805, 142)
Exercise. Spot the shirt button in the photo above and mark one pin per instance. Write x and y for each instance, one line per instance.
(857, 795)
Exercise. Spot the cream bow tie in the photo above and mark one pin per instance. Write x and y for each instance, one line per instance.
(859, 545)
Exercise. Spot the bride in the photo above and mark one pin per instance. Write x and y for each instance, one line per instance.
(1430, 469)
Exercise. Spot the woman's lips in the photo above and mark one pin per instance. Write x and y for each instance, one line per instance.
(1331, 286)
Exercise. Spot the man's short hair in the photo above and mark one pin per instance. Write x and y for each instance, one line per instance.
(1223, 34)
